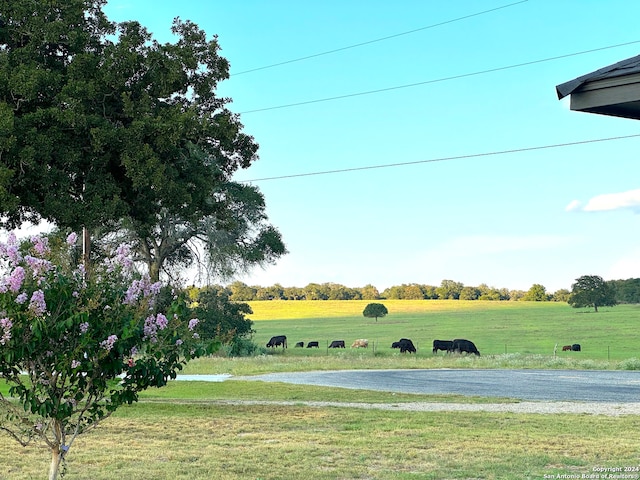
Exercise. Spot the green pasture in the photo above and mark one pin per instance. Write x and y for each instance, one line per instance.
(496, 328)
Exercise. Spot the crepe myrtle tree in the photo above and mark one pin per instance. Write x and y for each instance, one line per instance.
(74, 348)
(375, 310)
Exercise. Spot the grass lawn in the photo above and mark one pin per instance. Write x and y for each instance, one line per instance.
(182, 433)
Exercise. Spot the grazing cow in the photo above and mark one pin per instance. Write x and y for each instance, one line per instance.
(566, 347)
(278, 341)
(445, 345)
(575, 347)
(461, 345)
(312, 344)
(337, 344)
(299, 344)
(360, 343)
(405, 345)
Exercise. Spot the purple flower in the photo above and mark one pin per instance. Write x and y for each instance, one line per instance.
(71, 239)
(108, 343)
(38, 265)
(75, 364)
(179, 342)
(193, 323)
(5, 326)
(40, 244)
(84, 326)
(150, 329)
(16, 278)
(12, 249)
(161, 321)
(20, 299)
(37, 304)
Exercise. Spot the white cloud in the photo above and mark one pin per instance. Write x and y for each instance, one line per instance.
(614, 201)
(573, 206)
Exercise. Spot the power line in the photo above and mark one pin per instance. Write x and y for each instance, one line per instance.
(445, 159)
(377, 39)
(444, 79)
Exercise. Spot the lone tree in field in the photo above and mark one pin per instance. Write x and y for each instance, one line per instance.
(375, 310)
(592, 291)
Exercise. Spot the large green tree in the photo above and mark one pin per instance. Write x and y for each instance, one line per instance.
(449, 289)
(100, 122)
(592, 291)
(537, 293)
(375, 310)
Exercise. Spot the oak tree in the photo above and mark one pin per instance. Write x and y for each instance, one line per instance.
(592, 291)
(375, 310)
(99, 122)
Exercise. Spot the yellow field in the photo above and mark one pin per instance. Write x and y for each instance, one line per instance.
(297, 309)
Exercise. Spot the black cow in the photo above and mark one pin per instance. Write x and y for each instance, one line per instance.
(461, 345)
(446, 345)
(405, 345)
(337, 344)
(575, 347)
(300, 344)
(277, 341)
(312, 344)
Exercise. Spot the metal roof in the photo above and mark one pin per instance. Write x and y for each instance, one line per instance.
(625, 67)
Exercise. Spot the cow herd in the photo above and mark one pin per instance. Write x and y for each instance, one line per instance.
(405, 345)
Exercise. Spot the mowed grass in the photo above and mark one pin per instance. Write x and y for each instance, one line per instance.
(176, 440)
(495, 327)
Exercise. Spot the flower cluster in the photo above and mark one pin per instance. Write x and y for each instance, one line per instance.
(140, 289)
(152, 324)
(109, 342)
(122, 259)
(5, 327)
(37, 303)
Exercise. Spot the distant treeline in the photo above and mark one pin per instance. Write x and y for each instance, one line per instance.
(627, 291)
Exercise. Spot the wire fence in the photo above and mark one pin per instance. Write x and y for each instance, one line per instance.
(587, 350)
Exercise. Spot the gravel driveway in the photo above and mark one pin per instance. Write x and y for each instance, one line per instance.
(540, 391)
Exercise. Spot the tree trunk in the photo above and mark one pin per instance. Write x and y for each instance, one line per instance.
(154, 271)
(595, 305)
(55, 463)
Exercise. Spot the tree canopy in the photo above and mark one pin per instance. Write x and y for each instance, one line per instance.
(537, 293)
(99, 122)
(375, 310)
(592, 291)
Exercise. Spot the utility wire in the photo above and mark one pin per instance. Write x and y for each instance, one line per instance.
(444, 79)
(445, 159)
(377, 39)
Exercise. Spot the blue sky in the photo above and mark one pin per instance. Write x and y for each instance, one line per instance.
(510, 220)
